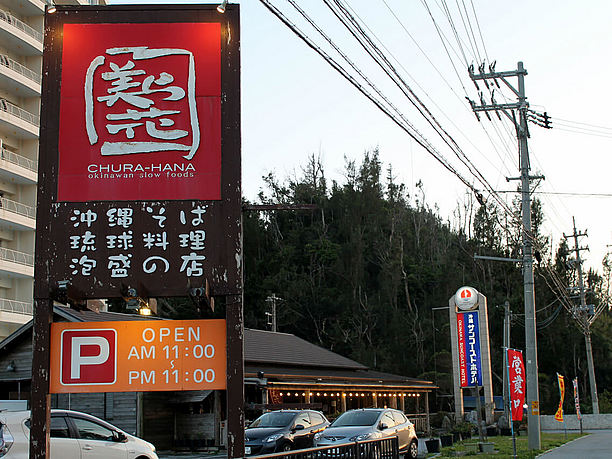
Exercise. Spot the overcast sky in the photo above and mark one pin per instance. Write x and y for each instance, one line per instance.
(294, 104)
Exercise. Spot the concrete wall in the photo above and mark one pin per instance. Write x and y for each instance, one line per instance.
(589, 422)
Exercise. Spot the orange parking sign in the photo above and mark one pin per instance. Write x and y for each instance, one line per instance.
(135, 356)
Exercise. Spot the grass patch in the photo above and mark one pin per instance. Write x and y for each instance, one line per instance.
(503, 446)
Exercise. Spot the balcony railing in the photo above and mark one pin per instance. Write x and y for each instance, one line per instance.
(14, 256)
(17, 208)
(14, 110)
(17, 23)
(16, 307)
(19, 160)
(19, 68)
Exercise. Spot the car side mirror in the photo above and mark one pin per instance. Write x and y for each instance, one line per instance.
(383, 426)
(298, 427)
(119, 437)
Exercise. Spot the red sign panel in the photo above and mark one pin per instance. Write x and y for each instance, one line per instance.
(88, 356)
(517, 383)
(140, 112)
(461, 343)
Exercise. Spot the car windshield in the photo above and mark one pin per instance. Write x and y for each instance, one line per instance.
(356, 418)
(273, 420)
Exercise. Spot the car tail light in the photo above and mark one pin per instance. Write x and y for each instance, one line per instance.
(6, 440)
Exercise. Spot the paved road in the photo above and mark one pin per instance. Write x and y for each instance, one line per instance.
(596, 445)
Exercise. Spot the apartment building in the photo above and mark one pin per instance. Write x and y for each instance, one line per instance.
(21, 48)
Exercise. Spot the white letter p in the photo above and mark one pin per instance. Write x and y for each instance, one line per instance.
(77, 359)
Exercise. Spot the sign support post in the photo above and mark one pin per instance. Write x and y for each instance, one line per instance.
(40, 400)
(235, 377)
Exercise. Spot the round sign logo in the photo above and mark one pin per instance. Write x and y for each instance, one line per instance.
(466, 298)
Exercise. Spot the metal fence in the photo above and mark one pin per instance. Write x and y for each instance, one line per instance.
(19, 112)
(20, 68)
(14, 256)
(19, 160)
(382, 448)
(18, 24)
(17, 307)
(17, 208)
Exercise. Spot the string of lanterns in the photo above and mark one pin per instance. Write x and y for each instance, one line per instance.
(350, 394)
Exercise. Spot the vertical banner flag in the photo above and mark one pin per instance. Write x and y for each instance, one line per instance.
(516, 374)
(577, 399)
(559, 413)
(468, 337)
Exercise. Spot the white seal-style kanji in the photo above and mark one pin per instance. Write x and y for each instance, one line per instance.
(156, 122)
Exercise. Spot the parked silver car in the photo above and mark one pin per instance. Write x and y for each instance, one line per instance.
(370, 424)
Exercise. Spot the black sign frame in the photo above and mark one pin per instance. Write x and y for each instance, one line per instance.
(222, 267)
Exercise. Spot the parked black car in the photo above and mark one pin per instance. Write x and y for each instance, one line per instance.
(283, 430)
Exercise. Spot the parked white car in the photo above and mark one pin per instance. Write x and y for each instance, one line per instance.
(74, 435)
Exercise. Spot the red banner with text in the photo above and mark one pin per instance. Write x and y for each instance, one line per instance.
(516, 374)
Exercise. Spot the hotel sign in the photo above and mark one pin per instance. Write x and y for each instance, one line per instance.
(468, 337)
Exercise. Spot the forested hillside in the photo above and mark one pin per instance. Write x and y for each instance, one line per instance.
(362, 273)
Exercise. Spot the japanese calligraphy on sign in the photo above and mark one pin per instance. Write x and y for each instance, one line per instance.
(114, 253)
(516, 375)
(469, 349)
(137, 190)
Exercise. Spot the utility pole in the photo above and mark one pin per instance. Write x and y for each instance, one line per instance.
(271, 300)
(582, 313)
(520, 108)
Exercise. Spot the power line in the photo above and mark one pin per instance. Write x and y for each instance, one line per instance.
(479, 31)
(403, 124)
(561, 193)
(582, 123)
(459, 98)
(444, 40)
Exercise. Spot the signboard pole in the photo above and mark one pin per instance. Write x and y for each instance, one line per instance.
(235, 377)
(40, 400)
(479, 415)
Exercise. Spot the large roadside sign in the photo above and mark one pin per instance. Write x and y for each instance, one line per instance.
(139, 195)
(140, 153)
(468, 341)
(135, 356)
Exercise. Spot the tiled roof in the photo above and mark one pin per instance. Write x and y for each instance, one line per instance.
(282, 348)
(331, 376)
(88, 315)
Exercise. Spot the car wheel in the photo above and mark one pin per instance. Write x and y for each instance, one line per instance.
(286, 447)
(413, 450)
